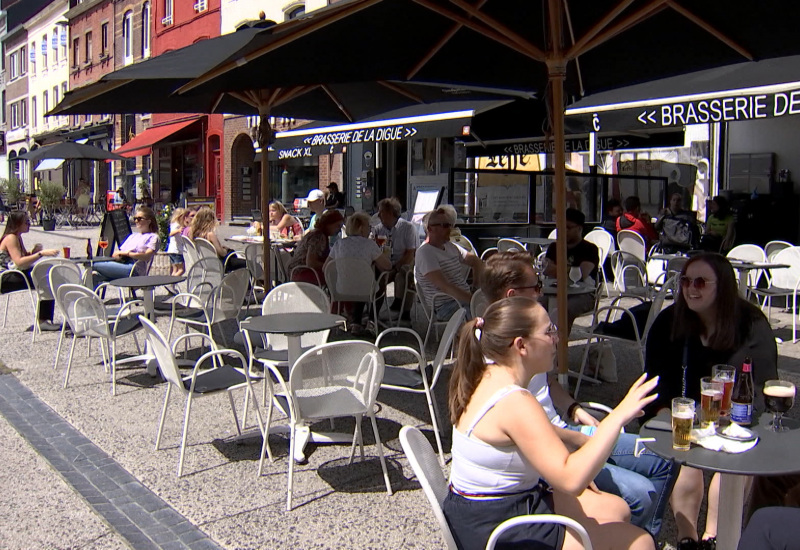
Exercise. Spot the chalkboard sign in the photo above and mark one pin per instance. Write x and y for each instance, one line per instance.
(115, 229)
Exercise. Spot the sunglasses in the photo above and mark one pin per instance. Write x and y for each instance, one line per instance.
(699, 283)
(537, 287)
(139, 219)
(552, 330)
(445, 225)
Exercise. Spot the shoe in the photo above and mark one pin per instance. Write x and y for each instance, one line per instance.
(47, 326)
(708, 544)
(688, 544)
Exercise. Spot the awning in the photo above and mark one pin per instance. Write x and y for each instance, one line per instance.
(143, 143)
(49, 164)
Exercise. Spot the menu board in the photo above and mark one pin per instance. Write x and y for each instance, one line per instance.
(502, 197)
(115, 229)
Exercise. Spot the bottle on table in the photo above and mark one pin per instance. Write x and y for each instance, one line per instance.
(89, 249)
(743, 394)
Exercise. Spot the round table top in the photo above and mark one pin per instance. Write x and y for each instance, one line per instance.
(146, 281)
(774, 454)
(83, 260)
(572, 289)
(292, 323)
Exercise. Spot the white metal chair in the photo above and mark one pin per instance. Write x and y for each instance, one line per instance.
(784, 282)
(553, 234)
(463, 242)
(254, 256)
(510, 245)
(604, 242)
(489, 252)
(9, 273)
(427, 305)
(421, 379)
(749, 253)
(633, 243)
(338, 379)
(353, 280)
(478, 303)
(205, 249)
(600, 331)
(85, 313)
(423, 462)
(773, 247)
(40, 275)
(201, 383)
(629, 274)
(189, 251)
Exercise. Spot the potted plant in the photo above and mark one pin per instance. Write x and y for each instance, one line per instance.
(13, 190)
(50, 195)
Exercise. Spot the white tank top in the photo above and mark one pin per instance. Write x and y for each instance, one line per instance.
(483, 469)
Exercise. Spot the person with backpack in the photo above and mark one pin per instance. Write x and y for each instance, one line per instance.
(677, 228)
(633, 219)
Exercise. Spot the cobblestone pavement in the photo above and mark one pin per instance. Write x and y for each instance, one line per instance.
(81, 470)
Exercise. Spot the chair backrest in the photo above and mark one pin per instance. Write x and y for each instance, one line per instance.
(190, 256)
(604, 242)
(773, 247)
(553, 234)
(205, 249)
(324, 370)
(425, 464)
(629, 271)
(83, 310)
(227, 299)
(163, 352)
(463, 242)
(254, 257)
(63, 274)
(349, 280)
(203, 277)
(478, 303)
(296, 298)
(749, 253)
(40, 274)
(489, 252)
(787, 277)
(510, 245)
(633, 243)
(447, 342)
(658, 303)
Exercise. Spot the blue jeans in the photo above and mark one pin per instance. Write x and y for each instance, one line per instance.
(645, 483)
(446, 310)
(108, 271)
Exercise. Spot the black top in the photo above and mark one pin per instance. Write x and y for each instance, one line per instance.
(335, 200)
(146, 281)
(292, 323)
(774, 454)
(584, 251)
(665, 358)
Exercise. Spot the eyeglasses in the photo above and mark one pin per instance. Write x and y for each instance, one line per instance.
(537, 287)
(139, 219)
(445, 225)
(699, 282)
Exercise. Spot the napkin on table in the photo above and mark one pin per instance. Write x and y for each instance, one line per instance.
(708, 438)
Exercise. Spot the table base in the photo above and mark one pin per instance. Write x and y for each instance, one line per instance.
(729, 519)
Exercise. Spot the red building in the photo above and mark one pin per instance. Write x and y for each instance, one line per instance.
(186, 152)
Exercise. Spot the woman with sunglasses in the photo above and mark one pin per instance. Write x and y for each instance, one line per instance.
(137, 250)
(709, 324)
(14, 255)
(504, 446)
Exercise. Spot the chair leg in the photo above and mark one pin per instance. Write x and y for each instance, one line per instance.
(5, 309)
(265, 448)
(69, 362)
(58, 347)
(112, 360)
(794, 318)
(185, 433)
(583, 365)
(163, 416)
(35, 326)
(355, 439)
(435, 424)
(380, 454)
(292, 443)
(233, 411)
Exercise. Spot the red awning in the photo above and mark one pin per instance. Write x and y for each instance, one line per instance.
(143, 143)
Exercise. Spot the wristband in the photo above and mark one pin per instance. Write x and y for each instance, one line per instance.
(571, 410)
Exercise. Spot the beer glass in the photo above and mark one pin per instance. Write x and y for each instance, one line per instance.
(710, 401)
(682, 420)
(66, 252)
(726, 374)
(778, 398)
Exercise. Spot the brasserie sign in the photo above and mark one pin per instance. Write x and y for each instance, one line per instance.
(366, 135)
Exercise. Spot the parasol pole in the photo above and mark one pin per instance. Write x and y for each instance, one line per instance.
(264, 139)
(556, 72)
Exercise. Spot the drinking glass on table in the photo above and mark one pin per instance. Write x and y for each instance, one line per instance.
(710, 401)
(575, 274)
(727, 375)
(102, 243)
(682, 420)
(66, 252)
(778, 398)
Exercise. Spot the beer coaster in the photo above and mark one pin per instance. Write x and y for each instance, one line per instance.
(741, 434)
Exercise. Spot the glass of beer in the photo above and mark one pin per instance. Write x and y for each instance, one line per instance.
(66, 252)
(682, 420)
(778, 398)
(710, 401)
(727, 375)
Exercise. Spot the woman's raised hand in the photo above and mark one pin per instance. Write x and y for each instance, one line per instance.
(638, 397)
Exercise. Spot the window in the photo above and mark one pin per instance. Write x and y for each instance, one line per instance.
(76, 51)
(44, 52)
(146, 29)
(23, 112)
(45, 103)
(54, 44)
(23, 61)
(34, 118)
(87, 119)
(13, 64)
(104, 40)
(127, 37)
(200, 5)
(33, 57)
(14, 116)
(167, 20)
(87, 57)
(3, 105)
(55, 96)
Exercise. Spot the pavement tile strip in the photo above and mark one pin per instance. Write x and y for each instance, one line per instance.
(134, 511)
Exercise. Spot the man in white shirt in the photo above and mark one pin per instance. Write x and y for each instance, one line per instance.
(401, 237)
(441, 267)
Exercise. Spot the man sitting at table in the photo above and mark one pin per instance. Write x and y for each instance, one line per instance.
(441, 267)
(644, 482)
(401, 236)
(581, 254)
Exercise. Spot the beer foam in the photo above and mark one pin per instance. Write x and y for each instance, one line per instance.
(683, 414)
(714, 394)
(779, 391)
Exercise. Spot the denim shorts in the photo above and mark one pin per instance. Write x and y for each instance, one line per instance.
(175, 258)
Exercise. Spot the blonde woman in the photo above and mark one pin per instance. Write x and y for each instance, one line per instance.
(176, 224)
(282, 222)
(204, 226)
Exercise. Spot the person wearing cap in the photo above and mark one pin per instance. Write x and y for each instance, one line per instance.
(315, 247)
(335, 197)
(316, 203)
(580, 253)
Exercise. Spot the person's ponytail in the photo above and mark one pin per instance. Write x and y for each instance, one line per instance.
(468, 370)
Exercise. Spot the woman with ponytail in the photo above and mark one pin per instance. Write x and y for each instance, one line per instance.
(504, 447)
